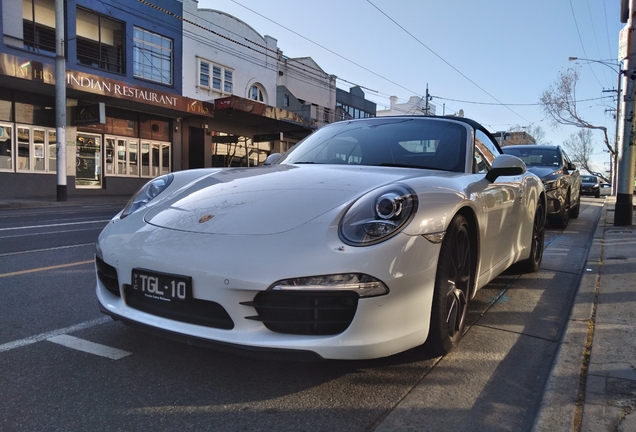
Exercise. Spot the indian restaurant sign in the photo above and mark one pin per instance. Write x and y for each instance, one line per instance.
(45, 73)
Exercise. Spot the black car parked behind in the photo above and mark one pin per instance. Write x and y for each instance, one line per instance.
(560, 178)
(590, 185)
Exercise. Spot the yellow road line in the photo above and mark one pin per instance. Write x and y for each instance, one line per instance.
(21, 272)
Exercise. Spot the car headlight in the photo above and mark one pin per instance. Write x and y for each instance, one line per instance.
(364, 285)
(550, 185)
(378, 215)
(146, 194)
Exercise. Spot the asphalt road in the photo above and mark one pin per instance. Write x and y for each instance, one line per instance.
(66, 367)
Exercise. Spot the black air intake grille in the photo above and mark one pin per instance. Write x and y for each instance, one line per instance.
(305, 312)
(107, 276)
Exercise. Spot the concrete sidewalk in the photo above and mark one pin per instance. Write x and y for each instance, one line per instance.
(592, 386)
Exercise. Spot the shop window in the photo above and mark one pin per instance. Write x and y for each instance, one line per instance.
(152, 56)
(155, 156)
(33, 149)
(109, 155)
(38, 25)
(24, 149)
(165, 159)
(121, 157)
(88, 161)
(39, 156)
(133, 161)
(6, 147)
(145, 159)
(132, 158)
(100, 41)
(52, 153)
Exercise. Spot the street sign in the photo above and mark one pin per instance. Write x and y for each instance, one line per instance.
(88, 114)
(623, 43)
(225, 139)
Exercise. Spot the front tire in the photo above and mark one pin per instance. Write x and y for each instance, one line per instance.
(453, 283)
(532, 264)
(575, 210)
(563, 218)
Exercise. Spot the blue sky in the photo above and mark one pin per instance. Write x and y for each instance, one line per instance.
(490, 58)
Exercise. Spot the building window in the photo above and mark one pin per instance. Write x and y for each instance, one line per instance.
(204, 74)
(286, 100)
(35, 149)
(127, 157)
(88, 166)
(215, 77)
(152, 56)
(38, 25)
(256, 93)
(100, 41)
(6, 147)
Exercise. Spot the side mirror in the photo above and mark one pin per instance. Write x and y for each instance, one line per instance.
(505, 165)
(272, 158)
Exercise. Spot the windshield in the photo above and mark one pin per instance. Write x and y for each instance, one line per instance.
(590, 179)
(403, 142)
(536, 156)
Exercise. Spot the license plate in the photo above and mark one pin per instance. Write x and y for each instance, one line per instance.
(161, 286)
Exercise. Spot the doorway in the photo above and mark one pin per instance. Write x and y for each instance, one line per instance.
(196, 157)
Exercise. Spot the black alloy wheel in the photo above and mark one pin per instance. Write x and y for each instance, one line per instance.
(533, 262)
(453, 283)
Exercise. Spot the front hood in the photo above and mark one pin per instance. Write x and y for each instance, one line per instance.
(267, 200)
(545, 172)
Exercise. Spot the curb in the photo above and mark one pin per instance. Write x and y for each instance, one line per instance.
(564, 395)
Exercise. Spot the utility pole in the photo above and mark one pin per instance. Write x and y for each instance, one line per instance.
(625, 169)
(60, 101)
(426, 112)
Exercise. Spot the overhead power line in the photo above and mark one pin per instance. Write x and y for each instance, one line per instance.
(444, 60)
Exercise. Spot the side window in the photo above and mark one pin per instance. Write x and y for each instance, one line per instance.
(480, 166)
(566, 160)
(485, 152)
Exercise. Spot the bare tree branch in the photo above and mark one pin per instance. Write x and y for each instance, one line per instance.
(560, 104)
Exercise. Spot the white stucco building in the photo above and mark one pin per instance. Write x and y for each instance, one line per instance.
(416, 105)
(228, 63)
(304, 88)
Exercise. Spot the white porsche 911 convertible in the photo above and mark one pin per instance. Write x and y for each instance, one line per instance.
(367, 238)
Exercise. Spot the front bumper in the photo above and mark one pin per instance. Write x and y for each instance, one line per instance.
(593, 191)
(555, 202)
(232, 270)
